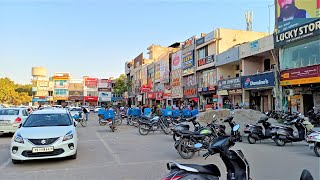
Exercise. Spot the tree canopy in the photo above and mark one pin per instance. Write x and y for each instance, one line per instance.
(121, 85)
(11, 93)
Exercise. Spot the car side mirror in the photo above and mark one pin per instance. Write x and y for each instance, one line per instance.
(20, 125)
(75, 124)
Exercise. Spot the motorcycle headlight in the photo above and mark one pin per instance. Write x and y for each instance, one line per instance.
(68, 136)
(18, 138)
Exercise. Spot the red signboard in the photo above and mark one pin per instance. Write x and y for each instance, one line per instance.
(91, 98)
(166, 95)
(145, 88)
(159, 95)
(212, 88)
(305, 75)
(151, 95)
(91, 82)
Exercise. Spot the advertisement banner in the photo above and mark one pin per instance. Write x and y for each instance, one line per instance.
(151, 95)
(164, 71)
(292, 13)
(303, 75)
(233, 83)
(91, 82)
(144, 75)
(188, 63)
(176, 60)
(188, 42)
(104, 83)
(304, 31)
(104, 96)
(206, 60)
(176, 85)
(105, 89)
(157, 71)
(258, 80)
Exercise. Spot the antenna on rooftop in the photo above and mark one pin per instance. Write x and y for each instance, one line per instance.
(248, 15)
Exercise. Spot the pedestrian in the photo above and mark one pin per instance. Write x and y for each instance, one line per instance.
(85, 111)
(169, 106)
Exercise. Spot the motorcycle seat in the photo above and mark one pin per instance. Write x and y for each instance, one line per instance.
(206, 169)
(219, 126)
(188, 133)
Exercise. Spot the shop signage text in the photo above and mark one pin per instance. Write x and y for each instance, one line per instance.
(306, 30)
(91, 98)
(206, 60)
(234, 83)
(151, 95)
(190, 91)
(91, 82)
(258, 80)
(188, 42)
(303, 75)
(175, 82)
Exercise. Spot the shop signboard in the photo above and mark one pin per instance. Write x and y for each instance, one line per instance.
(91, 98)
(305, 75)
(104, 96)
(206, 60)
(298, 33)
(188, 42)
(75, 98)
(235, 91)
(188, 63)
(199, 41)
(290, 14)
(104, 89)
(157, 72)
(151, 95)
(39, 99)
(138, 60)
(258, 80)
(104, 83)
(164, 71)
(190, 91)
(159, 95)
(233, 83)
(91, 82)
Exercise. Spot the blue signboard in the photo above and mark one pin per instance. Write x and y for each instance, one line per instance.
(199, 41)
(38, 100)
(258, 80)
(187, 60)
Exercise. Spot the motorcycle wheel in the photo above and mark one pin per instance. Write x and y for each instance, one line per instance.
(101, 123)
(119, 121)
(135, 122)
(279, 142)
(175, 136)
(144, 129)
(316, 149)
(183, 149)
(251, 140)
(165, 129)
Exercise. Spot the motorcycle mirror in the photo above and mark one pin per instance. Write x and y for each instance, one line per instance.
(232, 112)
(236, 127)
(213, 116)
(198, 145)
(306, 175)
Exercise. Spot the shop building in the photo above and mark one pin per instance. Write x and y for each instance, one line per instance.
(61, 84)
(76, 96)
(259, 71)
(90, 91)
(230, 92)
(40, 89)
(299, 56)
(176, 80)
(104, 92)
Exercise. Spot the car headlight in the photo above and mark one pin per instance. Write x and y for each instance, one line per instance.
(68, 136)
(18, 138)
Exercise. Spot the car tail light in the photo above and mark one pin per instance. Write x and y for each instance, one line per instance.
(18, 120)
(173, 178)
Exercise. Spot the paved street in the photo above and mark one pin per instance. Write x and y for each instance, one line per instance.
(127, 155)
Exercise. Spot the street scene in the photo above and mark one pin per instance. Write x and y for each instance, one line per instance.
(160, 90)
(127, 155)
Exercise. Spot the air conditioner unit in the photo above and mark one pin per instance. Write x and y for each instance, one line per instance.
(288, 92)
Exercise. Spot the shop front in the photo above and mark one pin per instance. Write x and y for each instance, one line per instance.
(258, 91)
(151, 96)
(190, 94)
(230, 92)
(75, 100)
(301, 87)
(207, 98)
(299, 58)
(91, 100)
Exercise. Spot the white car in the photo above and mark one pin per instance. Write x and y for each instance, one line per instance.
(11, 118)
(96, 109)
(74, 110)
(45, 134)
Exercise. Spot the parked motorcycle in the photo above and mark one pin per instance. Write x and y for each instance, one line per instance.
(185, 127)
(285, 134)
(154, 124)
(236, 164)
(313, 117)
(314, 142)
(232, 124)
(255, 132)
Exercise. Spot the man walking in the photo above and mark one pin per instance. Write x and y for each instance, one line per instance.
(84, 110)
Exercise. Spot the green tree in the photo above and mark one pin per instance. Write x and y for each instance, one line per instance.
(11, 93)
(120, 85)
(27, 88)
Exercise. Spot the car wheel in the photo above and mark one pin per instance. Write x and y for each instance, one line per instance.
(16, 161)
(74, 156)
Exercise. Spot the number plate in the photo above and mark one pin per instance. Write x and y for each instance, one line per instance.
(42, 149)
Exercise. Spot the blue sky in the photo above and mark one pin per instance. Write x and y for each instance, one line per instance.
(96, 37)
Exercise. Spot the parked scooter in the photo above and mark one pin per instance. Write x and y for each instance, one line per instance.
(314, 142)
(285, 135)
(255, 132)
(236, 134)
(236, 164)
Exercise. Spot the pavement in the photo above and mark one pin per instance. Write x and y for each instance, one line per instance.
(126, 155)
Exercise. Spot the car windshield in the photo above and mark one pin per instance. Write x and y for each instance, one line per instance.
(38, 120)
(9, 112)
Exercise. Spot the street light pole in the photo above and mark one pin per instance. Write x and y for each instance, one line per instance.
(269, 17)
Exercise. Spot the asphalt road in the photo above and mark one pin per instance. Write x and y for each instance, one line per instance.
(126, 155)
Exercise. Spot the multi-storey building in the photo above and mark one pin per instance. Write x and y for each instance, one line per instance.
(40, 86)
(61, 83)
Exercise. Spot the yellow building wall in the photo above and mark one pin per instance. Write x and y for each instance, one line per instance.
(227, 38)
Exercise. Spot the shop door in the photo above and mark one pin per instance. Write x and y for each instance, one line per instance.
(265, 104)
(307, 103)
